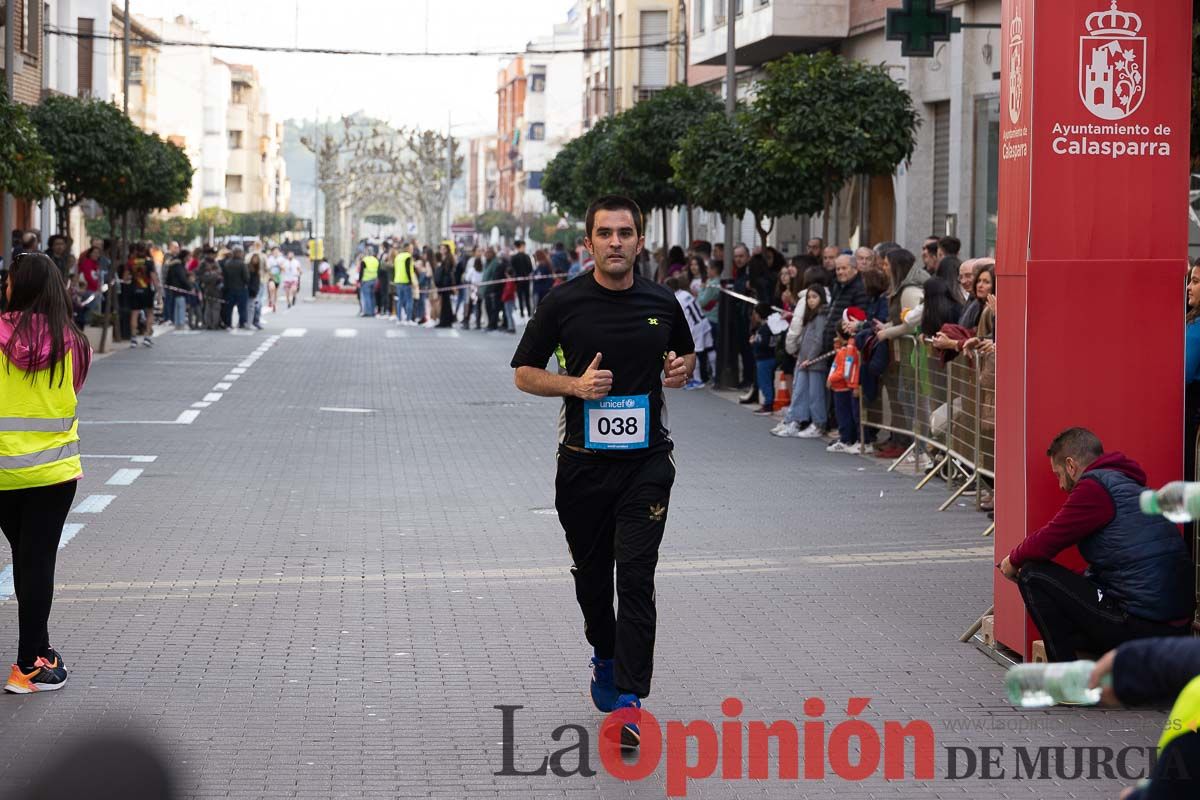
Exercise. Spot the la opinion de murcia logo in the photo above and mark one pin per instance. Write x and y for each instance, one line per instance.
(1112, 64)
(1016, 68)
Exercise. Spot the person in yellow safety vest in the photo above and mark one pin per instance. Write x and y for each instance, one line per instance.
(404, 286)
(366, 285)
(44, 360)
(1153, 672)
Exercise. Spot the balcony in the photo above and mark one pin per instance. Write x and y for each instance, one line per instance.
(767, 32)
(646, 92)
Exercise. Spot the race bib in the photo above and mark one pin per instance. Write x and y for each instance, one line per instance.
(617, 423)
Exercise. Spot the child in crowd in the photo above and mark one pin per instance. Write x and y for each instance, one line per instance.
(763, 343)
(843, 381)
(806, 416)
(508, 296)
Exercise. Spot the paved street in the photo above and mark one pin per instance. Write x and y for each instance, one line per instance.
(321, 583)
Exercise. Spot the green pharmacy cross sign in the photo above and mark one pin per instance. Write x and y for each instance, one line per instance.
(918, 26)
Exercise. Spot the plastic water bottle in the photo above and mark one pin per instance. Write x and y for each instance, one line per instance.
(1041, 685)
(1178, 501)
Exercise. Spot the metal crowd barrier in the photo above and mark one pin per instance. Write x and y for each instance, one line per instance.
(947, 410)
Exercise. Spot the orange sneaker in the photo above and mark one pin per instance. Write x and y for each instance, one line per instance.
(46, 676)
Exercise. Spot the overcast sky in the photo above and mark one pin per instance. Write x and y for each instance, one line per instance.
(407, 91)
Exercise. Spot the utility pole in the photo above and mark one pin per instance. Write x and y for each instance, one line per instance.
(125, 62)
(449, 170)
(10, 210)
(612, 57)
(730, 106)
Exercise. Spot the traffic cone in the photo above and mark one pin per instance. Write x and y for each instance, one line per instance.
(783, 390)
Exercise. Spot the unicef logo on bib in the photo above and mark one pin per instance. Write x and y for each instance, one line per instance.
(617, 423)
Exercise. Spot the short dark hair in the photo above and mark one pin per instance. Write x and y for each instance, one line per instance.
(763, 310)
(950, 245)
(931, 248)
(613, 202)
(519, 243)
(1077, 443)
(672, 283)
(702, 247)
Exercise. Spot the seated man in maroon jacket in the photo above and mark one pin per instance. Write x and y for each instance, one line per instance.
(1138, 582)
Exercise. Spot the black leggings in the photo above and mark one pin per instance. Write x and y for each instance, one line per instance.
(32, 521)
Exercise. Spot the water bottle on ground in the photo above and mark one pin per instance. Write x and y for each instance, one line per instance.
(1178, 501)
(1042, 685)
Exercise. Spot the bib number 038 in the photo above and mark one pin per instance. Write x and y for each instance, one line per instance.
(617, 423)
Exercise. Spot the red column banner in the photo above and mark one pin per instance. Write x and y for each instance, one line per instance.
(1092, 242)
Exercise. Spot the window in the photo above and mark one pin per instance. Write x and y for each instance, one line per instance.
(700, 16)
(941, 166)
(235, 140)
(762, 3)
(652, 61)
(987, 174)
(537, 131)
(737, 8)
(233, 184)
(31, 21)
(537, 82)
(135, 70)
(533, 180)
(85, 55)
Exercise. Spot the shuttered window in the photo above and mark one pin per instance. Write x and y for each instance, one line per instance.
(84, 44)
(941, 167)
(652, 70)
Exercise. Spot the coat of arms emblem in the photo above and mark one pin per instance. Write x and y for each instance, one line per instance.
(1112, 64)
(1016, 69)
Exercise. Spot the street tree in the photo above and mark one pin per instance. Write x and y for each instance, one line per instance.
(584, 169)
(820, 120)
(502, 221)
(425, 177)
(25, 166)
(724, 167)
(163, 178)
(645, 138)
(89, 141)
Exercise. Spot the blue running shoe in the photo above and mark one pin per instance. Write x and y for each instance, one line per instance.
(631, 735)
(604, 685)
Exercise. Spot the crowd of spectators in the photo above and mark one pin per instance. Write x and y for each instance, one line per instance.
(207, 288)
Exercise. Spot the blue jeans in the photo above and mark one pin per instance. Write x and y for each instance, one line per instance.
(846, 405)
(510, 314)
(180, 310)
(808, 398)
(765, 369)
(403, 301)
(367, 293)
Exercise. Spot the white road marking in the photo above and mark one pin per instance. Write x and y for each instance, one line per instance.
(200, 404)
(451, 334)
(243, 365)
(221, 387)
(185, 333)
(346, 333)
(231, 377)
(187, 417)
(238, 371)
(123, 477)
(69, 531)
(135, 459)
(213, 397)
(394, 334)
(94, 504)
(348, 410)
(295, 332)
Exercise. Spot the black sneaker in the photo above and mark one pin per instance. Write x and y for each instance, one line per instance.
(47, 676)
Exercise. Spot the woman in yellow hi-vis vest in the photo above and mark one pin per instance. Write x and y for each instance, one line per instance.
(44, 360)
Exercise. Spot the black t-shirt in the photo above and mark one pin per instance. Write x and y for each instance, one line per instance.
(522, 265)
(633, 329)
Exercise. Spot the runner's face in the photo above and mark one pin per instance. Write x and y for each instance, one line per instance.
(614, 242)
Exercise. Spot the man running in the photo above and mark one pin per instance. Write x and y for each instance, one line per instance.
(619, 338)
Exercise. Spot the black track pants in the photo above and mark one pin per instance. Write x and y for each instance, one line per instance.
(32, 521)
(614, 511)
